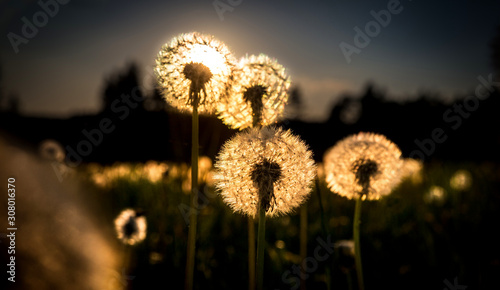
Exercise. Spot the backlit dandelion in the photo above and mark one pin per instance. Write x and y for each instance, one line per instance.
(365, 164)
(130, 227)
(257, 94)
(193, 69)
(192, 72)
(265, 167)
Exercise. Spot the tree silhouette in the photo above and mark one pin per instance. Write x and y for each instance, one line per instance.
(121, 87)
(295, 104)
(154, 101)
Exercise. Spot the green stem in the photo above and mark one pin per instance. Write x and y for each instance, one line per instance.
(193, 218)
(325, 232)
(357, 246)
(251, 253)
(303, 242)
(260, 248)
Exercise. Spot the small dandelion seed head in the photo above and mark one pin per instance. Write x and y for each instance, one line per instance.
(461, 180)
(130, 227)
(51, 150)
(254, 160)
(258, 93)
(436, 194)
(193, 63)
(365, 163)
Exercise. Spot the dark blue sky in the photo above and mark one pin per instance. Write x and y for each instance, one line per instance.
(441, 46)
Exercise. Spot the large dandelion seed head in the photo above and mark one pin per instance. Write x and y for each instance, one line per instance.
(265, 167)
(257, 94)
(191, 64)
(130, 227)
(365, 163)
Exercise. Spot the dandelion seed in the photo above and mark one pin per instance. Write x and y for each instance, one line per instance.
(130, 227)
(257, 93)
(193, 66)
(265, 167)
(365, 163)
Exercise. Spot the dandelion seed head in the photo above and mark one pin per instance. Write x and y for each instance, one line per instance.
(51, 150)
(363, 162)
(258, 93)
(130, 227)
(436, 194)
(193, 63)
(461, 180)
(267, 157)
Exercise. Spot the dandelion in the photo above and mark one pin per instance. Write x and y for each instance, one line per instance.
(130, 227)
(461, 180)
(265, 167)
(52, 150)
(193, 70)
(435, 194)
(264, 172)
(257, 94)
(365, 164)
(412, 170)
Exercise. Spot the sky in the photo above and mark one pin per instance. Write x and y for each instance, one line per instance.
(437, 46)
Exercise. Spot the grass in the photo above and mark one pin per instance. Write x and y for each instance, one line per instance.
(407, 240)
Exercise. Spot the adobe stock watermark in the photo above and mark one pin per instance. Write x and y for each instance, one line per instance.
(454, 286)
(222, 6)
(454, 117)
(310, 264)
(48, 9)
(372, 29)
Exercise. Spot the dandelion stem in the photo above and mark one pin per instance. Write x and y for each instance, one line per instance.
(357, 246)
(260, 248)
(193, 218)
(251, 253)
(325, 231)
(303, 243)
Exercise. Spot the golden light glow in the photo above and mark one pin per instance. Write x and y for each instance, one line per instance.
(412, 170)
(435, 194)
(461, 180)
(258, 72)
(130, 228)
(235, 165)
(105, 176)
(187, 49)
(204, 174)
(343, 161)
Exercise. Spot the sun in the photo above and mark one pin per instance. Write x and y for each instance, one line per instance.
(209, 57)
